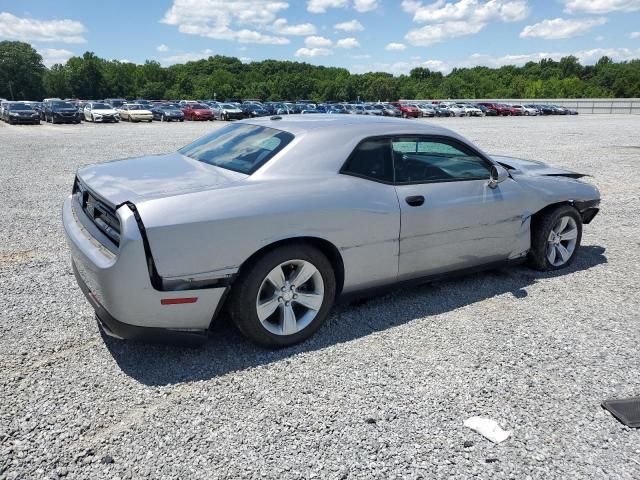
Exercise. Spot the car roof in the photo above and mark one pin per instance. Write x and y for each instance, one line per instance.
(359, 125)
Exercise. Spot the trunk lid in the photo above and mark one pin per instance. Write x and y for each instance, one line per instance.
(154, 176)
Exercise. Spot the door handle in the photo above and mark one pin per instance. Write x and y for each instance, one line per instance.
(415, 200)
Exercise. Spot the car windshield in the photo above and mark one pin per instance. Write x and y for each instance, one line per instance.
(101, 106)
(19, 106)
(135, 107)
(197, 106)
(241, 148)
(62, 105)
(228, 106)
(170, 106)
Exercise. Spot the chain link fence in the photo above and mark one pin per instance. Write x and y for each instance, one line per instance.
(582, 105)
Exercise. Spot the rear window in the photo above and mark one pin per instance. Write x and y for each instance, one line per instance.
(242, 148)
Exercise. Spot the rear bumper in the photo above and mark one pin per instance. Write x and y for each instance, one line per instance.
(124, 331)
(118, 285)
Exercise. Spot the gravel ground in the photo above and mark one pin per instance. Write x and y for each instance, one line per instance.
(380, 392)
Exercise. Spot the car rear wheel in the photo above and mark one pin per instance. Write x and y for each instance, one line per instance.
(555, 238)
(283, 297)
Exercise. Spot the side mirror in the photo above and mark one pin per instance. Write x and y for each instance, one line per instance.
(498, 174)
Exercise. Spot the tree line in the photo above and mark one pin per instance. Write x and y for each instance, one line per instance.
(23, 76)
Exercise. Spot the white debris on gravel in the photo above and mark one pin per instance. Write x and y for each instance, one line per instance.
(378, 391)
(488, 428)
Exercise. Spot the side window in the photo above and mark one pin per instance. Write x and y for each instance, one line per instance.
(371, 159)
(423, 160)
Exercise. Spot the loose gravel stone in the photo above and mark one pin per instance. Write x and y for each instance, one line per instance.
(536, 351)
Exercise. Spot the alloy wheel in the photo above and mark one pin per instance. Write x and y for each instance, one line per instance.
(290, 297)
(561, 242)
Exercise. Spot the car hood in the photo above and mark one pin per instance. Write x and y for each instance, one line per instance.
(519, 166)
(156, 176)
(232, 110)
(104, 112)
(139, 112)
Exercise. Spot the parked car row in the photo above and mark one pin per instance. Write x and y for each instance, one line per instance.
(56, 110)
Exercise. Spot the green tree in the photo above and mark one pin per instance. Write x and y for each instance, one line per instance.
(21, 71)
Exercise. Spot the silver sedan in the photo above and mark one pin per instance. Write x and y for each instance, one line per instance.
(272, 219)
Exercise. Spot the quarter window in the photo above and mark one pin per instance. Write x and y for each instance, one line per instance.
(371, 159)
(419, 160)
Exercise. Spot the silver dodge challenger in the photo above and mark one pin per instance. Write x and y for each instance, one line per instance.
(273, 219)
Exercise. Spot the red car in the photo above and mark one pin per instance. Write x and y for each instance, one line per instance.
(502, 109)
(407, 111)
(196, 111)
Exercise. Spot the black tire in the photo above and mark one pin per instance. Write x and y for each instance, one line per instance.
(541, 229)
(241, 303)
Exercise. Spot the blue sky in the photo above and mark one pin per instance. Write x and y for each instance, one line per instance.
(361, 35)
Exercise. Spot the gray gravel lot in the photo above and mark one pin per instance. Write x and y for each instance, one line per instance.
(380, 392)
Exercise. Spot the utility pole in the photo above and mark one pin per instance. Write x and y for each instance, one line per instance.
(11, 91)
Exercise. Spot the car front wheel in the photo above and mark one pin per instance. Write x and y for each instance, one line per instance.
(284, 296)
(555, 238)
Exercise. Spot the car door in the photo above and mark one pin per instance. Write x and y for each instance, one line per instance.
(451, 219)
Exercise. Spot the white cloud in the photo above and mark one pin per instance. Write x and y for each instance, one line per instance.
(552, 29)
(586, 57)
(317, 42)
(162, 48)
(471, 10)
(282, 27)
(226, 20)
(601, 6)
(321, 6)
(430, 34)
(187, 57)
(365, 5)
(465, 17)
(313, 52)
(395, 47)
(347, 43)
(363, 56)
(634, 35)
(350, 26)
(31, 30)
(51, 56)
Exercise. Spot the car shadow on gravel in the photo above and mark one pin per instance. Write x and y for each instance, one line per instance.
(226, 351)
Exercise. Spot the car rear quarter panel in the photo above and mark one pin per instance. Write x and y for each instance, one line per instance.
(217, 231)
